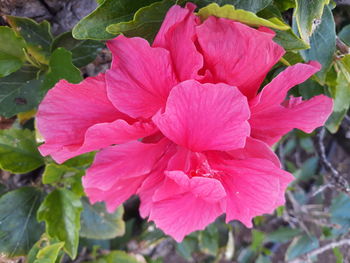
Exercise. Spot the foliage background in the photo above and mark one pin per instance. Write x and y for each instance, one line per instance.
(44, 216)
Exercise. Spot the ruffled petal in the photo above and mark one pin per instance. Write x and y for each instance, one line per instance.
(78, 118)
(140, 77)
(254, 187)
(272, 124)
(174, 16)
(153, 181)
(255, 149)
(177, 35)
(204, 117)
(237, 54)
(272, 117)
(118, 171)
(276, 91)
(183, 205)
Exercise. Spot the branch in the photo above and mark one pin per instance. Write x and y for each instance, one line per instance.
(320, 250)
(335, 178)
(341, 46)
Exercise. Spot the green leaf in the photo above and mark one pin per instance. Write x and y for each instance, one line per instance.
(83, 51)
(338, 254)
(339, 213)
(341, 95)
(187, 247)
(19, 229)
(344, 34)
(249, 18)
(283, 234)
(19, 92)
(208, 240)
(12, 55)
(49, 253)
(61, 212)
(263, 259)
(3, 189)
(109, 12)
(37, 36)
(146, 22)
(301, 245)
(310, 88)
(97, 223)
(61, 67)
(257, 240)
(284, 5)
(18, 151)
(308, 169)
(117, 257)
(308, 15)
(70, 177)
(289, 41)
(82, 161)
(322, 43)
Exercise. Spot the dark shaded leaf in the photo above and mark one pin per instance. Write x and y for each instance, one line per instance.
(19, 92)
(322, 43)
(301, 245)
(19, 229)
(18, 151)
(37, 36)
(283, 234)
(109, 12)
(12, 55)
(308, 14)
(83, 51)
(340, 213)
(208, 240)
(97, 223)
(146, 22)
(344, 34)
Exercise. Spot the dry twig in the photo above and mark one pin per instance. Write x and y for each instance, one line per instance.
(334, 177)
(320, 250)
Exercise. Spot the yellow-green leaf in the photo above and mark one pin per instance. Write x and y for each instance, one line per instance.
(37, 36)
(249, 18)
(49, 253)
(61, 212)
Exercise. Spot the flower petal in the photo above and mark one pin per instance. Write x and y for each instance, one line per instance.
(153, 181)
(255, 149)
(204, 117)
(183, 205)
(271, 118)
(254, 187)
(270, 125)
(118, 171)
(140, 77)
(237, 54)
(177, 35)
(78, 118)
(174, 16)
(276, 91)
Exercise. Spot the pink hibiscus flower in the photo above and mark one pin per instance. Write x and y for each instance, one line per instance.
(181, 123)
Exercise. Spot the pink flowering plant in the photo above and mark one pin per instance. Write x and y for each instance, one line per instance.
(187, 117)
